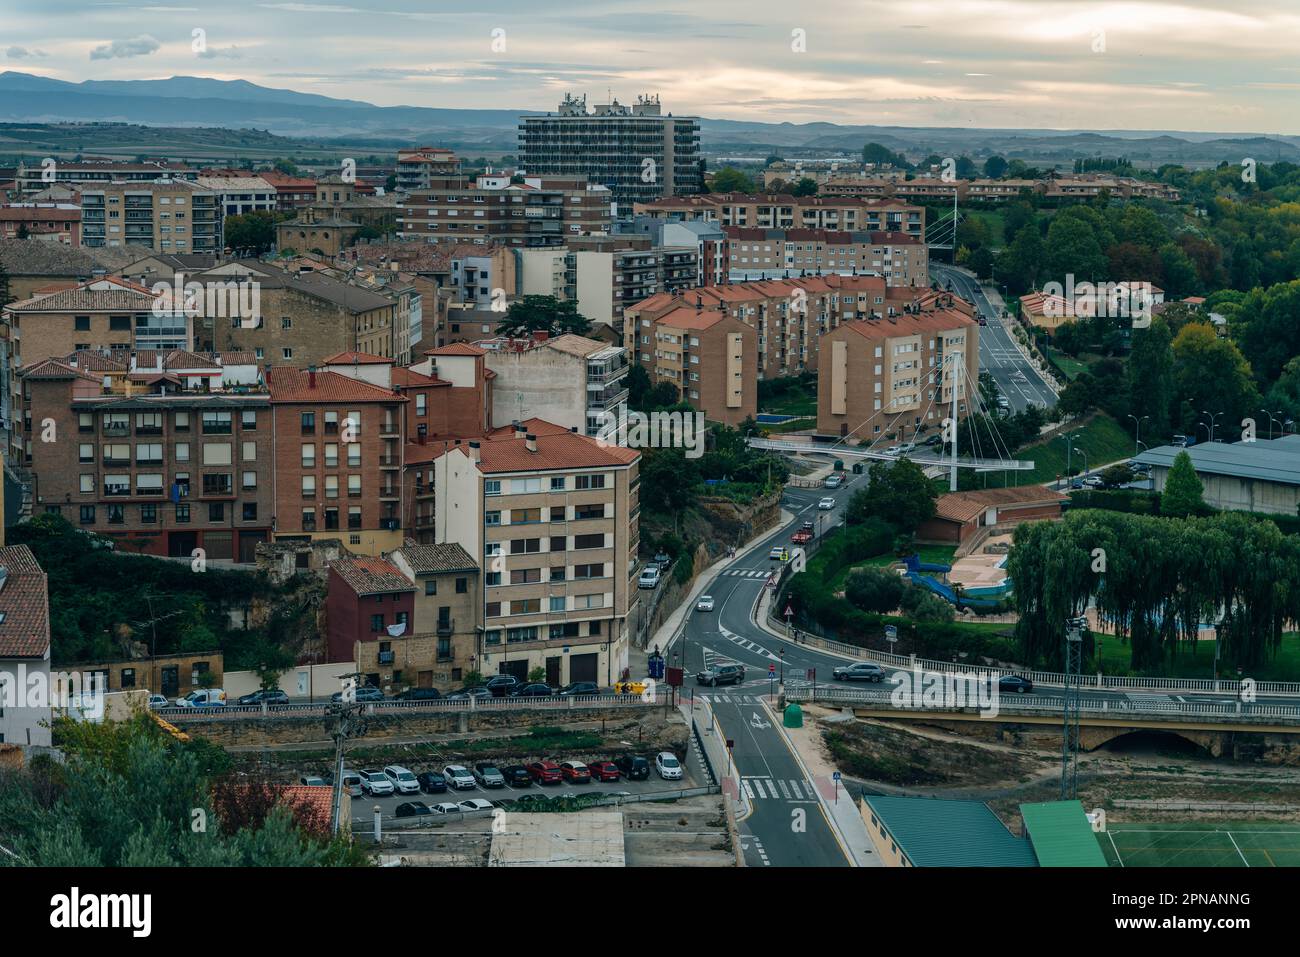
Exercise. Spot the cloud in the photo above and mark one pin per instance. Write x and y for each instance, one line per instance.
(18, 53)
(142, 45)
(226, 53)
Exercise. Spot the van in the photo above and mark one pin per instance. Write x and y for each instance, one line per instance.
(352, 784)
(203, 698)
(833, 480)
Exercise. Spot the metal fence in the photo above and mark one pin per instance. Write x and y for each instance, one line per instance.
(435, 706)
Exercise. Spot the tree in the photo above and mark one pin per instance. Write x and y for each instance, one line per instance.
(537, 675)
(1267, 326)
(805, 187)
(638, 385)
(253, 231)
(731, 180)
(285, 166)
(1214, 375)
(897, 493)
(995, 167)
(1020, 264)
(874, 153)
(547, 314)
(1183, 494)
(876, 590)
(1150, 372)
(1072, 248)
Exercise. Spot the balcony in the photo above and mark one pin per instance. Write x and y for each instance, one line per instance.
(387, 657)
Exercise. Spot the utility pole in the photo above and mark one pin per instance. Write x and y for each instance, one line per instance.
(1074, 628)
(952, 477)
(343, 720)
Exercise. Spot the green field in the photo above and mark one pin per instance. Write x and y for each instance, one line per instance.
(1186, 844)
(1198, 661)
(1102, 439)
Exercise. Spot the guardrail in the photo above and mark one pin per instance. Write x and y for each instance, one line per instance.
(1017, 703)
(435, 706)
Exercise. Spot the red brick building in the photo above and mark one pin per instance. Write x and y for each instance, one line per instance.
(366, 597)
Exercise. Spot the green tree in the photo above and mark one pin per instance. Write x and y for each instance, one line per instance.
(995, 167)
(547, 314)
(1212, 373)
(883, 156)
(537, 675)
(1150, 372)
(806, 186)
(1021, 263)
(1183, 494)
(897, 493)
(876, 590)
(251, 232)
(731, 180)
(1072, 248)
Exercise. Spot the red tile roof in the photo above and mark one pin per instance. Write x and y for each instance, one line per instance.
(294, 385)
(24, 603)
(366, 576)
(965, 506)
(564, 450)
(356, 358)
(457, 349)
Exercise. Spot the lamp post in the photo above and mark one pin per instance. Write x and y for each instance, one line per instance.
(1213, 421)
(1137, 431)
(1271, 420)
(1069, 441)
(1085, 461)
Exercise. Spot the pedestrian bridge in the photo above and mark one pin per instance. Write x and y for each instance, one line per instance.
(922, 457)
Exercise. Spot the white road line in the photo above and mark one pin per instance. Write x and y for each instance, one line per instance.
(748, 789)
(785, 792)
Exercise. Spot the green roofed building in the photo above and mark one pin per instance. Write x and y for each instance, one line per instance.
(1061, 835)
(931, 832)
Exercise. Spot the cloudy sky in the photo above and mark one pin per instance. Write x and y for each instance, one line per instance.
(1208, 65)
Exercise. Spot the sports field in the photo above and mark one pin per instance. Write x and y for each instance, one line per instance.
(1186, 844)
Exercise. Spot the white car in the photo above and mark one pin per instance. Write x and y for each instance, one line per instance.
(445, 807)
(157, 701)
(826, 503)
(778, 553)
(893, 450)
(209, 698)
(649, 577)
(669, 768)
(476, 804)
(402, 779)
(376, 783)
(705, 603)
(459, 777)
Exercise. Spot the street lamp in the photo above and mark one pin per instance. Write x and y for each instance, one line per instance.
(1213, 421)
(1137, 431)
(1085, 461)
(1271, 420)
(1069, 441)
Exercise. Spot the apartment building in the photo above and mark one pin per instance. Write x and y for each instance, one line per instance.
(417, 168)
(819, 171)
(540, 211)
(571, 381)
(337, 459)
(445, 640)
(1001, 190)
(712, 249)
(555, 517)
(33, 177)
(893, 377)
(636, 152)
(291, 192)
(901, 259)
(238, 193)
(1052, 187)
(368, 602)
(151, 460)
(24, 643)
(42, 222)
(165, 215)
(711, 358)
(783, 211)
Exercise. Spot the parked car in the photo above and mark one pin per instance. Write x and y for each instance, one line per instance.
(311, 781)
(580, 687)
(603, 771)
(419, 694)
(720, 674)
(859, 671)
(546, 772)
(376, 783)
(1016, 684)
(517, 776)
(633, 766)
(458, 776)
(536, 690)
(487, 775)
(1139, 468)
(445, 807)
(431, 782)
(779, 553)
(352, 784)
(1093, 481)
(464, 694)
(826, 504)
(705, 603)
(159, 701)
(649, 577)
(907, 447)
(669, 768)
(501, 685)
(834, 480)
(203, 698)
(364, 693)
(576, 772)
(476, 804)
(935, 439)
(413, 809)
(403, 780)
(663, 560)
(893, 450)
(272, 696)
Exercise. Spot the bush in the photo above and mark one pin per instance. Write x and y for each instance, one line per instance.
(875, 589)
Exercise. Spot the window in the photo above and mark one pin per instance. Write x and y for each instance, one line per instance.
(148, 423)
(525, 606)
(354, 486)
(216, 484)
(557, 603)
(354, 518)
(589, 571)
(81, 323)
(248, 420)
(331, 423)
(216, 511)
(87, 515)
(148, 514)
(557, 573)
(521, 634)
(558, 543)
(216, 423)
(249, 481)
(492, 609)
(182, 422)
(431, 586)
(88, 482)
(218, 453)
(588, 541)
(182, 514)
(331, 486)
(307, 423)
(286, 353)
(525, 576)
(331, 455)
(492, 579)
(525, 516)
(589, 511)
(525, 486)
(588, 601)
(376, 623)
(308, 455)
(249, 452)
(85, 453)
(116, 515)
(582, 482)
(462, 586)
(420, 399)
(309, 486)
(354, 455)
(85, 422)
(148, 453)
(149, 483)
(492, 487)
(491, 518)
(117, 454)
(557, 483)
(182, 450)
(525, 546)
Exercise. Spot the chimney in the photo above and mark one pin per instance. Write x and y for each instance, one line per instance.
(474, 452)
(311, 377)
(530, 442)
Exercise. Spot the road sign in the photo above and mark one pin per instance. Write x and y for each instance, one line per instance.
(673, 677)
(789, 611)
(891, 633)
(771, 669)
(836, 775)
(771, 581)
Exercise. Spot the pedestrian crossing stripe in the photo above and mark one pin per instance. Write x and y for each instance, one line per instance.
(745, 573)
(767, 789)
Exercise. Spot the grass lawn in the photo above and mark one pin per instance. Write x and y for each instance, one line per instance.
(1198, 661)
(1102, 439)
(794, 425)
(936, 554)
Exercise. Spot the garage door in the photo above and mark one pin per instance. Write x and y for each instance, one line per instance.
(583, 667)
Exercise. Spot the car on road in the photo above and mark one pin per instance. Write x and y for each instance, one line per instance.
(431, 782)
(803, 536)
(834, 480)
(669, 768)
(445, 807)
(1016, 684)
(419, 694)
(779, 553)
(575, 771)
(464, 694)
(502, 685)
(203, 698)
(364, 693)
(1093, 481)
(893, 450)
(982, 321)
(157, 701)
(649, 577)
(907, 447)
(546, 772)
(458, 777)
(376, 783)
(1139, 468)
(535, 690)
(933, 440)
(663, 560)
(517, 776)
(476, 804)
(826, 503)
(859, 671)
(413, 809)
(705, 603)
(487, 775)
(720, 674)
(403, 780)
(579, 687)
(265, 696)
(603, 771)
(633, 767)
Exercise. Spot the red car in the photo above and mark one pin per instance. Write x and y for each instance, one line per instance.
(576, 772)
(603, 771)
(546, 772)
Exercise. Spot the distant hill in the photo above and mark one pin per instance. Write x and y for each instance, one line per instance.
(202, 102)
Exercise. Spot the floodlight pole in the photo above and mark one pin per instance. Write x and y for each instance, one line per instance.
(1074, 628)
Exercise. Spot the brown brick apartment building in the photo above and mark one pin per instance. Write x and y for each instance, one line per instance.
(783, 211)
(901, 259)
(541, 211)
(711, 357)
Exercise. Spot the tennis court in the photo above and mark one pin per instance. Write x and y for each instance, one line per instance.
(1188, 844)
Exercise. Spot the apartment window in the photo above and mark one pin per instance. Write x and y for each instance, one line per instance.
(589, 511)
(525, 606)
(87, 515)
(331, 423)
(420, 398)
(525, 516)
(182, 514)
(216, 423)
(376, 623)
(583, 602)
(525, 576)
(182, 422)
(85, 422)
(249, 481)
(490, 486)
(216, 511)
(582, 482)
(286, 353)
(148, 514)
(331, 519)
(354, 486)
(182, 451)
(309, 486)
(557, 483)
(354, 455)
(525, 486)
(331, 455)
(148, 423)
(149, 453)
(286, 322)
(491, 518)
(308, 455)
(557, 603)
(116, 515)
(558, 543)
(81, 323)
(431, 586)
(85, 453)
(149, 484)
(117, 454)
(354, 517)
(588, 541)
(525, 546)
(492, 579)
(492, 609)
(557, 513)
(462, 586)
(589, 571)
(331, 486)
(88, 482)
(307, 423)
(521, 634)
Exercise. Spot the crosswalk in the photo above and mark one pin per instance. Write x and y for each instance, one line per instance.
(744, 573)
(741, 642)
(792, 791)
(732, 698)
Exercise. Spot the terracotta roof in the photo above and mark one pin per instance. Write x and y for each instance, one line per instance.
(52, 368)
(575, 345)
(688, 317)
(965, 506)
(294, 385)
(433, 559)
(535, 426)
(457, 349)
(24, 604)
(366, 576)
(408, 378)
(563, 450)
(910, 324)
(93, 361)
(356, 358)
(89, 300)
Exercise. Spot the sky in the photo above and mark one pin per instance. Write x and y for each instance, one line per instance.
(1200, 65)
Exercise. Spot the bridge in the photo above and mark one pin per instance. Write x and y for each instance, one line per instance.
(925, 459)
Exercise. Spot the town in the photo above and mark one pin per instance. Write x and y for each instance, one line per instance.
(595, 483)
